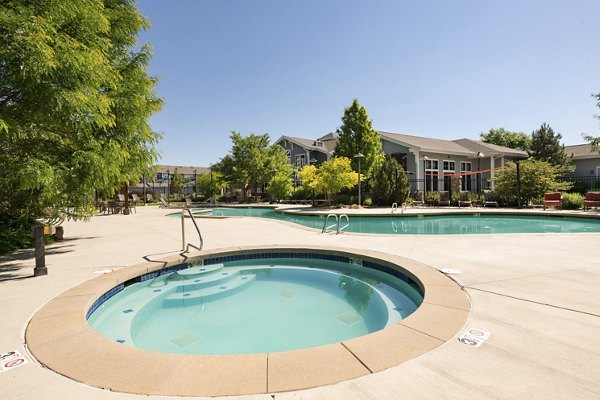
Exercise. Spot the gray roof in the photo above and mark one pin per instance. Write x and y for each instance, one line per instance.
(182, 169)
(580, 151)
(427, 144)
(328, 142)
(490, 149)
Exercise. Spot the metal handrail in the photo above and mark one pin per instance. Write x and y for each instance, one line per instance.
(394, 207)
(339, 230)
(186, 246)
(325, 227)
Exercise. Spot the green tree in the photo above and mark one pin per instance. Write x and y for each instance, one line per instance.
(252, 161)
(330, 178)
(75, 100)
(545, 146)
(537, 178)
(389, 183)
(594, 141)
(176, 182)
(280, 186)
(502, 137)
(356, 135)
(211, 184)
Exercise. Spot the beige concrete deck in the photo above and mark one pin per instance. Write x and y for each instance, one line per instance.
(536, 293)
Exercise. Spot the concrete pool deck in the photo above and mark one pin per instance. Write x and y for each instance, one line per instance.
(536, 293)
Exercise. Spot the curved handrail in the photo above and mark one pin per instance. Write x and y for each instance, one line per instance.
(325, 227)
(339, 230)
(403, 207)
(394, 207)
(186, 246)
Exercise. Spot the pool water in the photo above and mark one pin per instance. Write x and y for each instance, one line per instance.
(430, 224)
(255, 306)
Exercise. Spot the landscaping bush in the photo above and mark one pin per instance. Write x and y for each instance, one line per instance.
(572, 201)
(367, 202)
(454, 198)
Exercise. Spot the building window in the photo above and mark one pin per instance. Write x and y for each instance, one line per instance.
(431, 179)
(465, 180)
(288, 154)
(300, 160)
(449, 168)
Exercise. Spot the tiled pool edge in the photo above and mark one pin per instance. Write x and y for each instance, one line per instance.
(60, 338)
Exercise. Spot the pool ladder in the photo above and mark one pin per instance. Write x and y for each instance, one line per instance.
(185, 247)
(338, 220)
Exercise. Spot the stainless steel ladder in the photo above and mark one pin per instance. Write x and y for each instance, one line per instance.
(338, 220)
(185, 247)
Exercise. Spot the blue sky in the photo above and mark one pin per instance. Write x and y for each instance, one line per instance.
(441, 69)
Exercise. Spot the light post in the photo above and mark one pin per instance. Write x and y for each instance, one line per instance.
(517, 162)
(359, 156)
(211, 185)
(425, 158)
(479, 155)
(195, 180)
(311, 162)
(168, 184)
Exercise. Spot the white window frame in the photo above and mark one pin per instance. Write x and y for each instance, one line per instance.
(300, 160)
(453, 169)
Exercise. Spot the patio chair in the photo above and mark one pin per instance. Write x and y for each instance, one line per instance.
(489, 200)
(149, 198)
(134, 200)
(417, 197)
(592, 199)
(188, 203)
(552, 199)
(464, 199)
(444, 198)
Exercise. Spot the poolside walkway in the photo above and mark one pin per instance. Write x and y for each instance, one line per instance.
(536, 293)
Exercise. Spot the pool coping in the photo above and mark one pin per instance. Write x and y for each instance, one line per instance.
(59, 337)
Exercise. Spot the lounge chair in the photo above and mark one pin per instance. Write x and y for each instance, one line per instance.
(149, 198)
(188, 203)
(464, 199)
(592, 199)
(489, 199)
(444, 198)
(552, 199)
(164, 203)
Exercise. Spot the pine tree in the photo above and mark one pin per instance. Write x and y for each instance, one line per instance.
(545, 146)
(356, 135)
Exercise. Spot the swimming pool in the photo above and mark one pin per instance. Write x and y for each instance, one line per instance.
(475, 223)
(257, 305)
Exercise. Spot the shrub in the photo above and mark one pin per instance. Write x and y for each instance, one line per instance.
(389, 183)
(367, 202)
(572, 201)
(455, 197)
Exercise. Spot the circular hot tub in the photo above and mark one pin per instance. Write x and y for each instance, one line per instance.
(245, 321)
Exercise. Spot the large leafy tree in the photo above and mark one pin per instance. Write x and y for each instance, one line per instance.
(330, 178)
(536, 177)
(545, 146)
(594, 141)
(280, 186)
(356, 135)
(211, 183)
(389, 183)
(252, 161)
(75, 100)
(502, 137)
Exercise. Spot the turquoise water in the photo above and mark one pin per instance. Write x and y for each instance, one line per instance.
(431, 224)
(255, 306)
